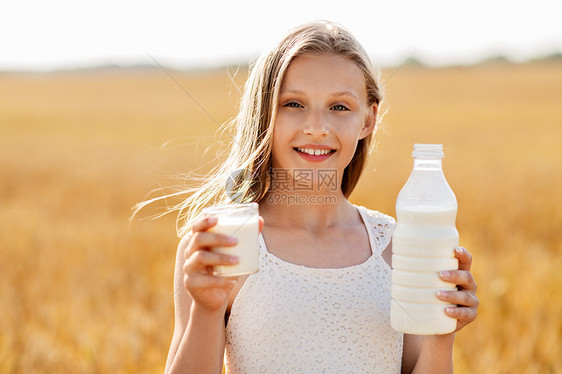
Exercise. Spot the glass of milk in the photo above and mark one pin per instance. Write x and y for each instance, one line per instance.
(240, 221)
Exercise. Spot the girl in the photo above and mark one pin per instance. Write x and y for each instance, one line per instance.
(321, 299)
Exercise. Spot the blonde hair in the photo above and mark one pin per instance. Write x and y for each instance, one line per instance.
(253, 126)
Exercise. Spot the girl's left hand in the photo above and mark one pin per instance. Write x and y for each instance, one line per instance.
(465, 296)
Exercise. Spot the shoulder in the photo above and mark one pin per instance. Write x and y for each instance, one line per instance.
(377, 218)
(382, 226)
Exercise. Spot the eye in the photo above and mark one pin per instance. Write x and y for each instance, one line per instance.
(340, 108)
(292, 104)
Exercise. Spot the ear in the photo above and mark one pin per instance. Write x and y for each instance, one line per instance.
(370, 121)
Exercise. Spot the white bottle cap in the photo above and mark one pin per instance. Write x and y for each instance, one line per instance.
(428, 151)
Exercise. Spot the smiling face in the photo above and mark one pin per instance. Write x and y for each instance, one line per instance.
(322, 114)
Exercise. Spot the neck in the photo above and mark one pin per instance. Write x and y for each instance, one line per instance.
(307, 211)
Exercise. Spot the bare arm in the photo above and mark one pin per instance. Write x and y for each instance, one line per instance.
(428, 354)
(198, 341)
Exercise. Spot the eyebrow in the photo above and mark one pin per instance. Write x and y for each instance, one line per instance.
(346, 93)
(337, 94)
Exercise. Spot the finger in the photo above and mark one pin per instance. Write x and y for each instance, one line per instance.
(261, 223)
(462, 313)
(462, 278)
(205, 239)
(202, 259)
(465, 258)
(461, 298)
(204, 223)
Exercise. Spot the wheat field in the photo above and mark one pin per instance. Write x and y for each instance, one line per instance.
(84, 291)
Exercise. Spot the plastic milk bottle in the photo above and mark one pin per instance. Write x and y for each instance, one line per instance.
(423, 245)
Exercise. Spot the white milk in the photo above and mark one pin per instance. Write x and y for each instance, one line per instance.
(423, 245)
(246, 230)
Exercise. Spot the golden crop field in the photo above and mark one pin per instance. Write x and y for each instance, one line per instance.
(81, 291)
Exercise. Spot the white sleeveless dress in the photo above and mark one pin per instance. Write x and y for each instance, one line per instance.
(290, 318)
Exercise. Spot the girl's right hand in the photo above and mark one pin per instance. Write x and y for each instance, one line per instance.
(207, 291)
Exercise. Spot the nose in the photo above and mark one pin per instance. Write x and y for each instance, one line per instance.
(316, 125)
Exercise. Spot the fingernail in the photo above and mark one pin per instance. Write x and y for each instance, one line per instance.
(441, 293)
(233, 259)
(445, 274)
(232, 240)
(213, 220)
(459, 250)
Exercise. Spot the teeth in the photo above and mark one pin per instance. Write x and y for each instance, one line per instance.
(314, 152)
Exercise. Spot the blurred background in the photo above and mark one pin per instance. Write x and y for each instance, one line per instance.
(103, 102)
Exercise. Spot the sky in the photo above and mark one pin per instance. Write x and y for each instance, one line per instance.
(60, 34)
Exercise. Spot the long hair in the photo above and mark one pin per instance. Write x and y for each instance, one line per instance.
(252, 128)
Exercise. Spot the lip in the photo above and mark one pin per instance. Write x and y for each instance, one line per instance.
(314, 158)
